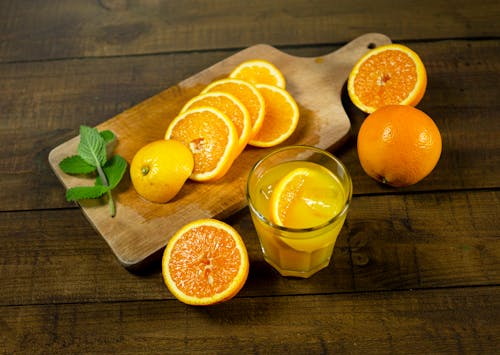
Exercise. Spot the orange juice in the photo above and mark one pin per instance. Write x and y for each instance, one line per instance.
(298, 208)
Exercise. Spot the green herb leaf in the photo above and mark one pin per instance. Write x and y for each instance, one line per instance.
(114, 170)
(85, 192)
(108, 136)
(76, 165)
(92, 156)
(92, 147)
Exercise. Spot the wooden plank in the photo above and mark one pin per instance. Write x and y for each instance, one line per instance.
(386, 244)
(462, 321)
(393, 245)
(75, 29)
(44, 103)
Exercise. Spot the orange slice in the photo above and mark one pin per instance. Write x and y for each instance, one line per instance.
(281, 118)
(205, 262)
(390, 74)
(259, 71)
(211, 137)
(306, 197)
(231, 107)
(249, 96)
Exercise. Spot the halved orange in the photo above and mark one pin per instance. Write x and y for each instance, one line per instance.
(205, 262)
(259, 71)
(231, 107)
(281, 118)
(249, 96)
(212, 138)
(389, 74)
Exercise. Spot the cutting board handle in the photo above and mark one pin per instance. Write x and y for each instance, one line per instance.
(344, 58)
(361, 44)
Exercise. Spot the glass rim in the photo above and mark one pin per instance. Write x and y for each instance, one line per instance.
(308, 229)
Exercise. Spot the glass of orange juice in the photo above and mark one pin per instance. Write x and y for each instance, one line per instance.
(298, 198)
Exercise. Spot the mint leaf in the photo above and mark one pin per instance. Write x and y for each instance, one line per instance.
(92, 147)
(92, 156)
(114, 170)
(76, 165)
(108, 136)
(85, 192)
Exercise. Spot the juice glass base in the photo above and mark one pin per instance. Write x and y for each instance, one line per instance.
(309, 263)
(297, 257)
(292, 273)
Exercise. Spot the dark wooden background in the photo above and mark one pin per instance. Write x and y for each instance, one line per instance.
(415, 270)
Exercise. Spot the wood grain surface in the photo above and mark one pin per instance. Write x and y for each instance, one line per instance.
(387, 244)
(387, 322)
(415, 270)
(106, 28)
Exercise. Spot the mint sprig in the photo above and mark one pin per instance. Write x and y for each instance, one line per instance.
(92, 158)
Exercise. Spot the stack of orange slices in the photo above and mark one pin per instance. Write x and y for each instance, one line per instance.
(249, 107)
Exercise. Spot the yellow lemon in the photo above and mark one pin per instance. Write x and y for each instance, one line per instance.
(159, 169)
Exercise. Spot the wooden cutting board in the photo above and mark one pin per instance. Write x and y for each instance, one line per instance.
(141, 229)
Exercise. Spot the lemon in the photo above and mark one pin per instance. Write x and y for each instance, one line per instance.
(160, 168)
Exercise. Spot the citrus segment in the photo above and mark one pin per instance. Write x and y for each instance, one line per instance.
(205, 262)
(398, 145)
(281, 117)
(248, 95)
(159, 169)
(212, 138)
(258, 71)
(390, 74)
(231, 107)
(306, 198)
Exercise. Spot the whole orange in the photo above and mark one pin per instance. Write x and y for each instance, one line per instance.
(160, 168)
(398, 145)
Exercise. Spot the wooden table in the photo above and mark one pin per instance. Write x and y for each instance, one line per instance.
(415, 270)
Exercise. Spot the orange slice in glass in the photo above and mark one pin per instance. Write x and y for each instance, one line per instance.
(306, 197)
